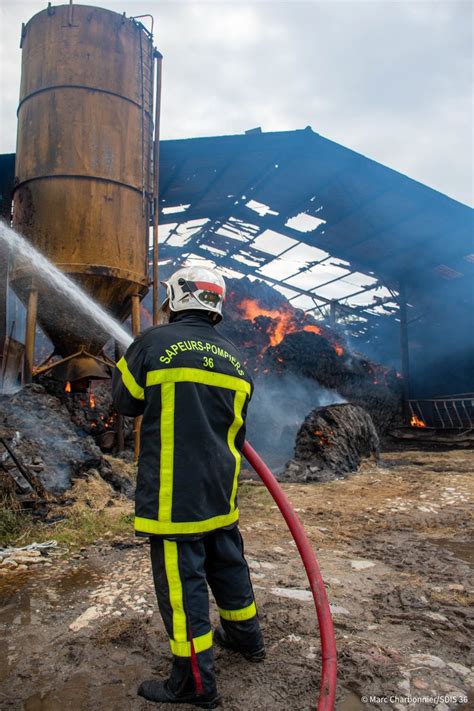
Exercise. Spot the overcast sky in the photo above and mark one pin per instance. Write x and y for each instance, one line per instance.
(389, 79)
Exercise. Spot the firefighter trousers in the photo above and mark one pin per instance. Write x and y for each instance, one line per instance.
(181, 571)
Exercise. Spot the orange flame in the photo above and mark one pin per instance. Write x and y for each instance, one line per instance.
(283, 320)
(313, 329)
(416, 422)
(282, 325)
(67, 387)
(91, 398)
(324, 438)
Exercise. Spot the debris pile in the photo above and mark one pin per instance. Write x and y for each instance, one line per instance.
(331, 443)
(277, 339)
(259, 318)
(90, 407)
(47, 445)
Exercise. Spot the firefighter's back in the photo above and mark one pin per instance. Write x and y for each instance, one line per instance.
(196, 393)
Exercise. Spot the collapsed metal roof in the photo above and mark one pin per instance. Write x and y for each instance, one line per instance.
(316, 220)
(320, 222)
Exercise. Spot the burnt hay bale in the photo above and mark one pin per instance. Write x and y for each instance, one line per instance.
(331, 443)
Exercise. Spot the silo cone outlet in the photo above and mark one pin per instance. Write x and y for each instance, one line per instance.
(81, 367)
(76, 336)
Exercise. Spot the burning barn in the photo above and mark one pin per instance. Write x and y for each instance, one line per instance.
(341, 275)
(347, 281)
(344, 276)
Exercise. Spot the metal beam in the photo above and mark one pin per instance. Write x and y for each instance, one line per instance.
(404, 350)
(249, 270)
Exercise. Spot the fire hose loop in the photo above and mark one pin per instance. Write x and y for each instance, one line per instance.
(327, 690)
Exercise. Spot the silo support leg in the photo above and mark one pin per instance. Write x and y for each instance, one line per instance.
(30, 332)
(135, 315)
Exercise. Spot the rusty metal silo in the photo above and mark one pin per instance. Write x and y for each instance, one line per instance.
(83, 192)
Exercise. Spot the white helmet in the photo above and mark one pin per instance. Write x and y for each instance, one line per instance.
(197, 288)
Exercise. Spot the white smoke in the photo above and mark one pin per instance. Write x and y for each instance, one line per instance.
(278, 407)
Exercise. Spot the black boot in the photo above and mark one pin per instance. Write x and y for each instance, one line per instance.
(180, 688)
(242, 637)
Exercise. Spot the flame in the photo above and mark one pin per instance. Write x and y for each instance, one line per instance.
(91, 398)
(313, 329)
(324, 438)
(416, 422)
(67, 387)
(283, 320)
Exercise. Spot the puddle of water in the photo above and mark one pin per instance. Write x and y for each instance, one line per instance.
(79, 694)
(74, 694)
(6, 659)
(463, 550)
(23, 597)
(351, 702)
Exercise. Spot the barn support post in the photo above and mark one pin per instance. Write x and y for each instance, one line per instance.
(30, 333)
(156, 183)
(404, 351)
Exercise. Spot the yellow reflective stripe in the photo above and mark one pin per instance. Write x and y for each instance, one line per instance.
(129, 381)
(194, 375)
(175, 591)
(183, 649)
(167, 452)
(246, 613)
(239, 401)
(180, 645)
(163, 528)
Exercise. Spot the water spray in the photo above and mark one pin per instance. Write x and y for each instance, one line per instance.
(39, 264)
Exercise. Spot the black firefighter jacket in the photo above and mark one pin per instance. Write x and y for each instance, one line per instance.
(189, 383)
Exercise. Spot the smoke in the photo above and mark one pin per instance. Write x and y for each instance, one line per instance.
(9, 385)
(279, 405)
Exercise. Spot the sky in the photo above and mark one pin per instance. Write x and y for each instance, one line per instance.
(389, 79)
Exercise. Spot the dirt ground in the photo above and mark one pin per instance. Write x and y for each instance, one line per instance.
(394, 547)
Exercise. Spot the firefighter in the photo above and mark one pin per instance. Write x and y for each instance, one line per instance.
(189, 383)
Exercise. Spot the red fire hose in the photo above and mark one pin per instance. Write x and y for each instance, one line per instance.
(327, 691)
